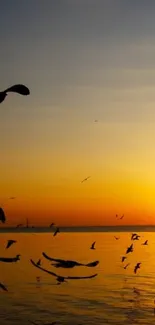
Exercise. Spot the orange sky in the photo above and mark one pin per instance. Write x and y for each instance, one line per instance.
(101, 69)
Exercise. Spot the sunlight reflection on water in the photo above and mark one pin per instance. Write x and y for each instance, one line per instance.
(107, 299)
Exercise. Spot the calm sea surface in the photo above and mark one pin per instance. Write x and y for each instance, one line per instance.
(110, 298)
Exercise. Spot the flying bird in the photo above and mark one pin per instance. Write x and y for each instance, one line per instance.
(68, 263)
(145, 243)
(52, 224)
(10, 242)
(85, 179)
(116, 237)
(2, 286)
(56, 231)
(123, 258)
(10, 259)
(125, 267)
(137, 267)
(63, 278)
(122, 217)
(133, 236)
(39, 262)
(2, 215)
(93, 244)
(129, 249)
(19, 89)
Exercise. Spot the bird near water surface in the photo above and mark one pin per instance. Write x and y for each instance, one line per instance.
(93, 244)
(10, 259)
(137, 267)
(63, 278)
(68, 263)
(2, 286)
(10, 242)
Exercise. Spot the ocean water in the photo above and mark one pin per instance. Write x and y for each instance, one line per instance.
(116, 296)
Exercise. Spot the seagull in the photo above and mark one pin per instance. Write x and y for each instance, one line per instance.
(10, 259)
(123, 258)
(85, 179)
(63, 278)
(135, 237)
(129, 249)
(122, 217)
(19, 89)
(52, 224)
(116, 237)
(145, 243)
(56, 231)
(3, 287)
(10, 242)
(93, 244)
(2, 215)
(68, 263)
(137, 267)
(125, 267)
(39, 262)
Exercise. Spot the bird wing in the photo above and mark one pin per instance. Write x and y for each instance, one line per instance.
(53, 259)
(8, 244)
(41, 268)
(20, 89)
(2, 215)
(80, 277)
(92, 264)
(3, 287)
(93, 244)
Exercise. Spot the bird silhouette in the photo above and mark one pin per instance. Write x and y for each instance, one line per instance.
(63, 278)
(125, 267)
(56, 231)
(85, 179)
(116, 237)
(134, 236)
(52, 224)
(10, 259)
(2, 286)
(129, 249)
(2, 215)
(123, 258)
(68, 263)
(122, 217)
(93, 244)
(137, 267)
(19, 89)
(39, 262)
(145, 243)
(10, 242)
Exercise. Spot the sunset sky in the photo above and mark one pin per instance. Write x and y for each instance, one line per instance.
(83, 60)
